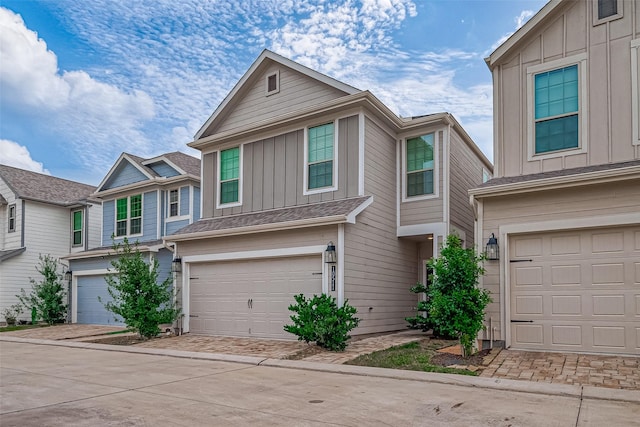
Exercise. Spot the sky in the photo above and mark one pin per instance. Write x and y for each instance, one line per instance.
(82, 81)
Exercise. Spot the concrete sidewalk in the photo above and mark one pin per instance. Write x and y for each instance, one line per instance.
(58, 383)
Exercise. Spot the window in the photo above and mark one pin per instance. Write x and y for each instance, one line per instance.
(320, 157)
(77, 227)
(12, 218)
(556, 100)
(606, 10)
(230, 176)
(174, 202)
(129, 215)
(420, 164)
(273, 83)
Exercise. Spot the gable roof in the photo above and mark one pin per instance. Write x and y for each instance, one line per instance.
(183, 163)
(516, 37)
(265, 57)
(35, 186)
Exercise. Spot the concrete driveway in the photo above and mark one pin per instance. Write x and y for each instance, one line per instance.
(56, 385)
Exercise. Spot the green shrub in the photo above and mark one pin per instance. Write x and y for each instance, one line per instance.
(319, 319)
(420, 320)
(455, 303)
(46, 301)
(137, 297)
(11, 314)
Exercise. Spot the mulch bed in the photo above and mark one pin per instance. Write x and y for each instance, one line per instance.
(448, 359)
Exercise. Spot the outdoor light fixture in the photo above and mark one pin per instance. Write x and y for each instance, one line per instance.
(330, 254)
(68, 275)
(177, 265)
(492, 251)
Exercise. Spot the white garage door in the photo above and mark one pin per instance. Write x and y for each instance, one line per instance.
(576, 291)
(250, 297)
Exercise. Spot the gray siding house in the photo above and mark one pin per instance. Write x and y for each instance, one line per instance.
(294, 162)
(565, 201)
(143, 200)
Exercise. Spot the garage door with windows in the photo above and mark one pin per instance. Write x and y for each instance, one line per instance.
(90, 309)
(249, 297)
(576, 290)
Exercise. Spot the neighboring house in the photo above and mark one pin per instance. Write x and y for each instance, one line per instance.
(41, 215)
(143, 200)
(294, 160)
(565, 200)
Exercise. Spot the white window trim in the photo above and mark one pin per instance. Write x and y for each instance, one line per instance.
(581, 61)
(597, 21)
(76, 245)
(436, 169)
(169, 203)
(240, 174)
(305, 177)
(14, 217)
(115, 217)
(635, 91)
(266, 83)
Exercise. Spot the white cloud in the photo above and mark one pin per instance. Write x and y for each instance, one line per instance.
(16, 155)
(519, 20)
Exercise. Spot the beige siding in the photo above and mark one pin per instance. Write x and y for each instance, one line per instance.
(273, 172)
(297, 91)
(596, 201)
(609, 128)
(465, 172)
(47, 231)
(429, 210)
(379, 267)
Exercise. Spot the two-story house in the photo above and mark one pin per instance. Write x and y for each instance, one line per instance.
(312, 186)
(143, 200)
(564, 204)
(41, 215)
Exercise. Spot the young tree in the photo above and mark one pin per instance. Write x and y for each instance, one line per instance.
(137, 297)
(47, 298)
(456, 304)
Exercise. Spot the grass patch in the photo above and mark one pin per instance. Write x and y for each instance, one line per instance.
(413, 356)
(20, 327)
(124, 331)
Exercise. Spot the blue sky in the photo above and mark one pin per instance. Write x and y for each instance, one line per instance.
(82, 81)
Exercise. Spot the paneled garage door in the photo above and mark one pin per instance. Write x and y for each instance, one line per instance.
(90, 309)
(250, 297)
(576, 291)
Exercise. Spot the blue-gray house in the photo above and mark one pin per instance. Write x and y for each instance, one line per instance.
(143, 200)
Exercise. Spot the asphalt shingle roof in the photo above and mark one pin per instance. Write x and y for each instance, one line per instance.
(189, 164)
(44, 188)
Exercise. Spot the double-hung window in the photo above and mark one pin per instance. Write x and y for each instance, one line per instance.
(12, 218)
(129, 216)
(77, 225)
(174, 202)
(229, 176)
(320, 157)
(420, 164)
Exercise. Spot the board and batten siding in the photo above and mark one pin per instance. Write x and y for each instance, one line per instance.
(297, 91)
(561, 204)
(47, 231)
(379, 267)
(413, 212)
(465, 172)
(608, 63)
(273, 172)
(125, 174)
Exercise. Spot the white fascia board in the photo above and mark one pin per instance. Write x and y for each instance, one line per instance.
(351, 217)
(159, 181)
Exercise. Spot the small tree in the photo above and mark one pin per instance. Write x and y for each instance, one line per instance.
(47, 298)
(456, 304)
(137, 297)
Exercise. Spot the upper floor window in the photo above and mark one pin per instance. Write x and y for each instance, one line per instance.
(174, 202)
(129, 216)
(606, 10)
(229, 176)
(273, 83)
(12, 218)
(420, 166)
(320, 150)
(77, 225)
(557, 100)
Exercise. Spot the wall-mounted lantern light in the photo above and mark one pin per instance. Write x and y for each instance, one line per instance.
(492, 251)
(330, 254)
(177, 265)
(68, 275)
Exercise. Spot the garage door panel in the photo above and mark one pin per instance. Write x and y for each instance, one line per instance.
(90, 310)
(250, 297)
(576, 290)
